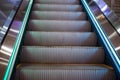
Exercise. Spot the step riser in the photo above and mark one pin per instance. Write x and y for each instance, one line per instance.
(51, 7)
(64, 55)
(47, 15)
(60, 39)
(48, 25)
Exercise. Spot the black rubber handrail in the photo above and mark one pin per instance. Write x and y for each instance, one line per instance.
(110, 51)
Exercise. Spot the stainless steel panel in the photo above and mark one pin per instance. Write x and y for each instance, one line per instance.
(109, 21)
(111, 16)
(7, 13)
(10, 39)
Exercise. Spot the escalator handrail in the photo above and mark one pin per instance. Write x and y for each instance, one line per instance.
(111, 53)
(15, 51)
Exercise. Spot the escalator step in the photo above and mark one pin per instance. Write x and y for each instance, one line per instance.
(58, 1)
(64, 72)
(55, 15)
(58, 25)
(60, 38)
(59, 45)
(56, 7)
(62, 55)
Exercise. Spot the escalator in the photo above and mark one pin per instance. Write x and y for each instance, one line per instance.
(60, 44)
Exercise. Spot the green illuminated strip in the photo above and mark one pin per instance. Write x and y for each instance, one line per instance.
(17, 44)
(113, 54)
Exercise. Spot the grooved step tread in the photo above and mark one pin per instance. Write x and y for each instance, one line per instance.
(55, 15)
(56, 7)
(65, 72)
(59, 25)
(62, 54)
(60, 38)
(59, 45)
(58, 1)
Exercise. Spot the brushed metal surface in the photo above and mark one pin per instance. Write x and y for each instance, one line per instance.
(10, 39)
(7, 47)
(109, 21)
(8, 10)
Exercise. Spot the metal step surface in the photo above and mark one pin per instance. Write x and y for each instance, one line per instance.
(62, 55)
(59, 25)
(58, 1)
(64, 72)
(56, 7)
(60, 38)
(55, 15)
(60, 45)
